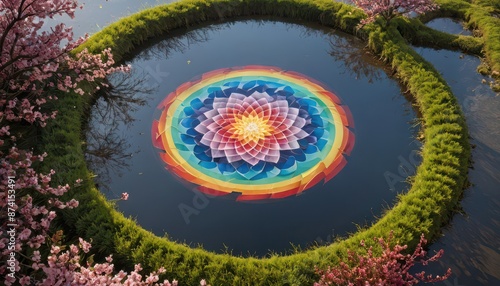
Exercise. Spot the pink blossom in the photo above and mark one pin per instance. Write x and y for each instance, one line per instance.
(388, 9)
(25, 234)
(390, 268)
(85, 245)
(124, 196)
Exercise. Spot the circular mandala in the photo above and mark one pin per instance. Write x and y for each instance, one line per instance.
(256, 130)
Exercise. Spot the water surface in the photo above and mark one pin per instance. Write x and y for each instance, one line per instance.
(368, 184)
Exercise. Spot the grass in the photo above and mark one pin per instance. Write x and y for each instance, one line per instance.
(484, 17)
(437, 186)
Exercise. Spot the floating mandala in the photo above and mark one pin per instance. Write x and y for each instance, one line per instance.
(257, 130)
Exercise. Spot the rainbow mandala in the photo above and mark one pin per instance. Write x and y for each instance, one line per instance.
(258, 131)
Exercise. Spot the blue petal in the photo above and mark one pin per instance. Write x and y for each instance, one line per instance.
(270, 91)
(196, 103)
(291, 167)
(216, 93)
(187, 139)
(244, 168)
(311, 139)
(316, 120)
(307, 102)
(313, 110)
(203, 157)
(289, 163)
(299, 155)
(198, 138)
(249, 84)
(303, 143)
(192, 132)
(238, 163)
(188, 111)
(213, 89)
(303, 113)
(309, 129)
(181, 147)
(262, 175)
(268, 167)
(209, 102)
(318, 132)
(195, 122)
(186, 122)
(223, 167)
(311, 149)
(288, 91)
(227, 92)
(321, 144)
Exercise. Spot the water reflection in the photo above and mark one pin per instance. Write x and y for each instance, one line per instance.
(107, 153)
(124, 95)
(107, 148)
(471, 244)
(177, 42)
(449, 25)
(355, 62)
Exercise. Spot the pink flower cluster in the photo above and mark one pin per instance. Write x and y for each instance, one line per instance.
(390, 268)
(33, 219)
(35, 61)
(388, 9)
(64, 268)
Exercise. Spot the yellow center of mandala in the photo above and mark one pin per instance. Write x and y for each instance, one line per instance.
(250, 128)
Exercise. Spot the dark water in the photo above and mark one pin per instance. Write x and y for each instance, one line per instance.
(383, 129)
(471, 240)
(449, 25)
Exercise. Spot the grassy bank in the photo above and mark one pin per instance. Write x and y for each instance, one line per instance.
(434, 194)
(484, 17)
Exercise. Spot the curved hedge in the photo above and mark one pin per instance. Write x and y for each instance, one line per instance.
(435, 192)
(484, 17)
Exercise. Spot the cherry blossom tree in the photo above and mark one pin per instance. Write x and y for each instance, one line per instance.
(28, 231)
(389, 9)
(392, 267)
(35, 59)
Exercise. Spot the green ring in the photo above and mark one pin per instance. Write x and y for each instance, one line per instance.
(436, 189)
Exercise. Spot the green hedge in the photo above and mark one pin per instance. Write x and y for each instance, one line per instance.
(437, 185)
(484, 17)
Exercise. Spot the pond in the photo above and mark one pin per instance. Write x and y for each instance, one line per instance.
(471, 240)
(384, 126)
